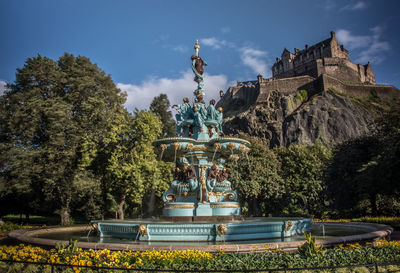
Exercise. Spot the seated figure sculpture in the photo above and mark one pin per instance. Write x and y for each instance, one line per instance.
(222, 183)
(185, 114)
(218, 186)
(185, 184)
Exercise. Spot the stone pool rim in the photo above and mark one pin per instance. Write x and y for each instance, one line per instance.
(377, 231)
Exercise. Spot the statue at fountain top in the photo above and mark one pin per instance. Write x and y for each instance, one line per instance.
(198, 70)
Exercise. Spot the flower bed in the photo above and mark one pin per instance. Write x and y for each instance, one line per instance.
(379, 252)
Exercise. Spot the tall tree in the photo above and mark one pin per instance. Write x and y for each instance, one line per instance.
(256, 178)
(160, 106)
(50, 111)
(131, 162)
(302, 169)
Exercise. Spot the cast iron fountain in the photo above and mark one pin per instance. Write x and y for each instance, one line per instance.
(200, 204)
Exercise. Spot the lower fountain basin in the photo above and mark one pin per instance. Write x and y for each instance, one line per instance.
(258, 229)
(327, 234)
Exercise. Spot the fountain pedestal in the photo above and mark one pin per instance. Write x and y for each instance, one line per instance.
(204, 209)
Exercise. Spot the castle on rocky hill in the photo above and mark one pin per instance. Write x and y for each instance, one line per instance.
(314, 69)
(326, 57)
(314, 93)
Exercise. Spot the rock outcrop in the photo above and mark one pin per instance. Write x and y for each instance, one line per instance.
(283, 119)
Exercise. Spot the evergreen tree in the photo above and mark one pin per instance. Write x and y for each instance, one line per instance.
(160, 106)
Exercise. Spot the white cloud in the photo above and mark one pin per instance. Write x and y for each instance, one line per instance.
(351, 41)
(2, 87)
(140, 96)
(216, 43)
(354, 6)
(256, 60)
(371, 47)
(180, 48)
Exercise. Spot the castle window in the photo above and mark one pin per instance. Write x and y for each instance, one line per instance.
(308, 55)
(301, 58)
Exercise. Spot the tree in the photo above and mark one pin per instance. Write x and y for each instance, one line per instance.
(51, 110)
(160, 106)
(256, 179)
(302, 169)
(126, 162)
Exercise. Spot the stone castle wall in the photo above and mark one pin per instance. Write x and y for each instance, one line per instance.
(285, 86)
(359, 90)
(242, 96)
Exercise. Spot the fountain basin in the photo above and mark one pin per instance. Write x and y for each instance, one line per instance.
(336, 233)
(203, 231)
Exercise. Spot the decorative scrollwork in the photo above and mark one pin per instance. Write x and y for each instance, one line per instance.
(170, 197)
(229, 197)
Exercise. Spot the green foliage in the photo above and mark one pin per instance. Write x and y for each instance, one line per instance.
(283, 181)
(255, 177)
(160, 106)
(302, 170)
(310, 248)
(71, 247)
(342, 255)
(51, 110)
(302, 95)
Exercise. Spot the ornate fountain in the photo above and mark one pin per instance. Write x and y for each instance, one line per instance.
(200, 204)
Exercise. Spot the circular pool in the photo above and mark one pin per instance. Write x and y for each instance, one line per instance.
(327, 234)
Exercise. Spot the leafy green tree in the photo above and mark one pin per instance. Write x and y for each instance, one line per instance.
(256, 179)
(160, 106)
(302, 169)
(52, 108)
(128, 160)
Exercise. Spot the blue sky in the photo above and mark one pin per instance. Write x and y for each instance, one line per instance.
(146, 45)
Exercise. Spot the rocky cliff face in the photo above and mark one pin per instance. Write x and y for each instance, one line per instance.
(283, 119)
